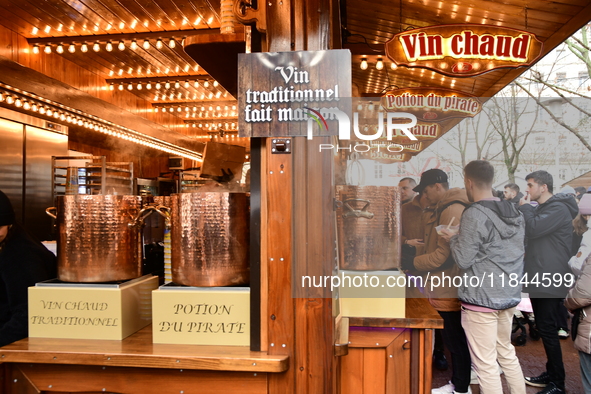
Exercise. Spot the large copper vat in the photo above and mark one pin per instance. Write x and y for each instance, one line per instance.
(95, 241)
(210, 239)
(368, 225)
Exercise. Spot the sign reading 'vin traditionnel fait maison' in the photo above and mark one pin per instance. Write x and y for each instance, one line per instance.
(278, 93)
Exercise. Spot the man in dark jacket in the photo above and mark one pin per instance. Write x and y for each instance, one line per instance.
(548, 230)
(512, 193)
(23, 262)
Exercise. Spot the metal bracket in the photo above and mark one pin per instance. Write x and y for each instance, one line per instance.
(247, 15)
(281, 146)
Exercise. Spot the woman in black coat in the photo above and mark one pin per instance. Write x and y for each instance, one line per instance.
(24, 261)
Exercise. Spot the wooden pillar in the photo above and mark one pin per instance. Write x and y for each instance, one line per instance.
(299, 221)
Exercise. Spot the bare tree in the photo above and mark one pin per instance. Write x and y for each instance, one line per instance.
(513, 122)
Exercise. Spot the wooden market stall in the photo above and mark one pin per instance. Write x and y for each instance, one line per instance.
(297, 344)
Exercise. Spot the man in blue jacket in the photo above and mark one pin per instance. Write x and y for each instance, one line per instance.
(489, 250)
(548, 230)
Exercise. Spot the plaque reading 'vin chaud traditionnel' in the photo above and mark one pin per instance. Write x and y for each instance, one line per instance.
(278, 93)
(464, 50)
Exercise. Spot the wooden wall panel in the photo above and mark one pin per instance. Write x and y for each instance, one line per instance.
(77, 378)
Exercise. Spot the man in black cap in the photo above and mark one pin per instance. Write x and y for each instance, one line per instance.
(24, 261)
(437, 261)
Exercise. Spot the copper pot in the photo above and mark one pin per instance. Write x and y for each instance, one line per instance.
(95, 240)
(210, 239)
(368, 225)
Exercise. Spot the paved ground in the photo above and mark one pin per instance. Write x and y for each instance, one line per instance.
(533, 359)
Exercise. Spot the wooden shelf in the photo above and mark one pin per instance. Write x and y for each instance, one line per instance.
(137, 350)
(419, 314)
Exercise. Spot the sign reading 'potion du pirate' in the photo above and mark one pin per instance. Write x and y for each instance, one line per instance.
(280, 93)
(432, 104)
(464, 50)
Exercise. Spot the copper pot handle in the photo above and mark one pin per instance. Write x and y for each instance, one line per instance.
(49, 211)
(357, 213)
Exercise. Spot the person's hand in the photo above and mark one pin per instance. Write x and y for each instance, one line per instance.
(525, 199)
(446, 234)
(415, 242)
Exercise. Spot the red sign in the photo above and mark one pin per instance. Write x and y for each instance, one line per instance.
(464, 50)
(431, 104)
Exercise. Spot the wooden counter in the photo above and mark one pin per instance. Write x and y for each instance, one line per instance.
(419, 314)
(135, 365)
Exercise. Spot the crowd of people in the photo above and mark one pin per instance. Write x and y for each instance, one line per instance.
(532, 245)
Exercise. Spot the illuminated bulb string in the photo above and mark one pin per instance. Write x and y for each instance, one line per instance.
(30, 102)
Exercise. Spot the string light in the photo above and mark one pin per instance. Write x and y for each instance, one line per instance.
(96, 47)
(60, 49)
(146, 44)
(121, 45)
(47, 49)
(171, 43)
(35, 49)
(159, 43)
(380, 64)
(363, 64)
(109, 46)
(133, 45)
(84, 48)
(393, 66)
(72, 48)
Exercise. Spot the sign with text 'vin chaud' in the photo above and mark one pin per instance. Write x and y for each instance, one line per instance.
(279, 92)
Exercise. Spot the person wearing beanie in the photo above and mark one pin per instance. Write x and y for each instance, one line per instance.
(24, 261)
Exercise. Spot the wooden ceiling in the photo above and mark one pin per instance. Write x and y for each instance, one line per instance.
(178, 85)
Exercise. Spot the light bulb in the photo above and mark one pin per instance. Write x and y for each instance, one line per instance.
(84, 48)
(158, 85)
(47, 49)
(133, 45)
(380, 64)
(60, 49)
(167, 85)
(196, 84)
(96, 47)
(121, 45)
(146, 44)
(139, 86)
(206, 84)
(18, 102)
(177, 84)
(171, 43)
(393, 66)
(72, 48)
(148, 86)
(109, 46)
(187, 84)
(120, 87)
(42, 110)
(130, 86)
(159, 44)
(35, 49)
(111, 87)
(215, 83)
(363, 65)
